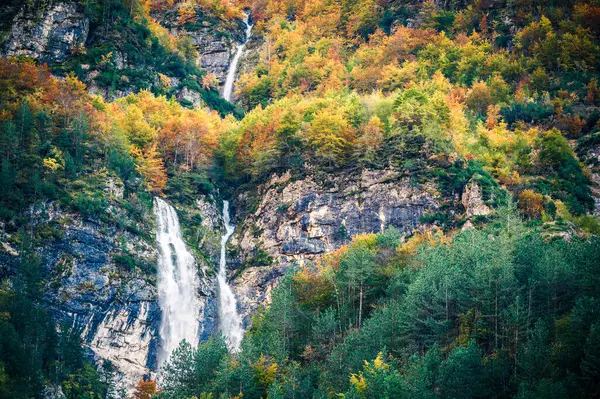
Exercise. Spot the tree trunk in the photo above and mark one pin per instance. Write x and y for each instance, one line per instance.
(360, 304)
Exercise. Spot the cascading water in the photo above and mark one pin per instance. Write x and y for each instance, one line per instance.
(230, 320)
(228, 88)
(177, 283)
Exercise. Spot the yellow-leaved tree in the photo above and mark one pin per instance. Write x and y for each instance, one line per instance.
(330, 136)
(150, 165)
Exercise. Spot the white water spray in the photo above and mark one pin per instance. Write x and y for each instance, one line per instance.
(230, 320)
(228, 88)
(177, 283)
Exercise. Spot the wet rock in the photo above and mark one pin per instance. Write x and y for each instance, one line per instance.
(212, 226)
(87, 288)
(208, 318)
(211, 214)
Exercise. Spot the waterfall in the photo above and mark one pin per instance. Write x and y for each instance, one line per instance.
(177, 283)
(228, 88)
(230, 320)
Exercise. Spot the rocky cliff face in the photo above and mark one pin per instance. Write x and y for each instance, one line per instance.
(215, 50)
(101, 279)
(54, 31)
(298, 221)
(208, 238)
(90, 285)
(48, 32)
(215, 40)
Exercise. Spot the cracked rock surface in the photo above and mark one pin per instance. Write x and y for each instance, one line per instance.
(298, 221)
(48, 33)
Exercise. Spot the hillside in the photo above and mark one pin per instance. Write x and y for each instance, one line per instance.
(413, 187)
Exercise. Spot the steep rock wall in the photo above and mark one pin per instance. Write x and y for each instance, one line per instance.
(298, 221)
(47, 32)
(91, 285)
(88, 287)
(100, 278)
(215, 40)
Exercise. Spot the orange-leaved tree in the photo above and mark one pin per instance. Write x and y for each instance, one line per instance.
(145, 389)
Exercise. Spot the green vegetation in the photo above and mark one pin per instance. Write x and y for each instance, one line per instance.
(442, 93)
(493, 312)
(133, 52)
(34, 350)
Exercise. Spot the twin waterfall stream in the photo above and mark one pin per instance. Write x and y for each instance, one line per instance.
(177, 272)
(178, 286)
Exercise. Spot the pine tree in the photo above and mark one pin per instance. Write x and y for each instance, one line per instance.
(590, 365)
(7, 176)
(357, 271)
(9, 140)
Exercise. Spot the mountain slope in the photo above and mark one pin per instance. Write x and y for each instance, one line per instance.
(413, 186)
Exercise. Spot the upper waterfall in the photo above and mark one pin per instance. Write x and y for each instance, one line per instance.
(230, 320)
(177, 283)
(228, 87)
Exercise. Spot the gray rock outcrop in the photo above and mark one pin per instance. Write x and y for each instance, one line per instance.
(91, 288)
(47, 32)
(299, 221)
(190, 96)
(472, 200)
(216, 40)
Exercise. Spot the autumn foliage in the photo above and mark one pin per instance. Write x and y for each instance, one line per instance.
(145, 389)
(531, 203)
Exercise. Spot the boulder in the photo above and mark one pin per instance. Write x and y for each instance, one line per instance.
(472, 200)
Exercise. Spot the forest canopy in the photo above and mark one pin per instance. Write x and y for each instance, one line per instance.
(445, 93)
